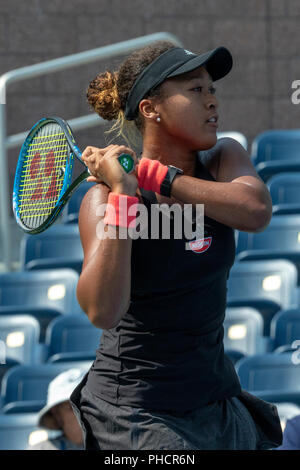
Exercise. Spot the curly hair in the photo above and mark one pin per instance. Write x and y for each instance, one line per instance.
(107, 94)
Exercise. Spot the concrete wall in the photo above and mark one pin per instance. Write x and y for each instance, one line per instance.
(263, 36)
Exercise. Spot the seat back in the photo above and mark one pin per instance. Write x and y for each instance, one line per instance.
(276, 145)
(281, 235)
(20, 335)
(17, 431)
(58, 241)
(284, 188)
(72, 333)
(27, 383)
(45, 288)
(243, 330)
(269, 372)
(274, 280)
(285, 327)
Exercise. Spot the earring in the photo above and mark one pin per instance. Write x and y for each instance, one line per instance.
(158, 119)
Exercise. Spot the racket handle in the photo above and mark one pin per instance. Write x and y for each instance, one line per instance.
(127, 162)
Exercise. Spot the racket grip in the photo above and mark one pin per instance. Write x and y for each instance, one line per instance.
(127, 162)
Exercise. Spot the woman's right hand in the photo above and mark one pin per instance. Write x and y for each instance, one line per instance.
(104, 167)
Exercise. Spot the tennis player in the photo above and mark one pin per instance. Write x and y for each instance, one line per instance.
(161, 379)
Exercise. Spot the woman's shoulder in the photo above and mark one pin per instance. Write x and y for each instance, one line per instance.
(212, 157)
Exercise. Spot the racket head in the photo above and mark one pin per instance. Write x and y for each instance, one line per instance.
(43, 179)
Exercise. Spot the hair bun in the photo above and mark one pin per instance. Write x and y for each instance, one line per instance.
(103, 95)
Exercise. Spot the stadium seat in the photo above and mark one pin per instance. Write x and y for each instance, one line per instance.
(26, 406)
(5, 365)
(30, 383)
(285, 327)
(73, 206)
(285, 193)
(54, 289)
(18, 431)
(71, 334)
(269, 372)
(243, 330)
(279, 396)
(267, 286)
(19, 335)
(280, 240)
(42, 315)
(72, 357)
(241, 138)
(57, 247)
(276, 151)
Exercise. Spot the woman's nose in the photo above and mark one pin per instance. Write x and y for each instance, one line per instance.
(211, 102)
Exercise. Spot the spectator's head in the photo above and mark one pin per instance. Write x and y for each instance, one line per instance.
(58, 413)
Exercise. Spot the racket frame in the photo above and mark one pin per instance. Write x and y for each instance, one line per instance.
(67, 188)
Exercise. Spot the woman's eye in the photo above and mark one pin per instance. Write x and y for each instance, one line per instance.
(212, 89)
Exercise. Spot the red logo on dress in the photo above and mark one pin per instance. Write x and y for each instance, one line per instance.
(200, 245)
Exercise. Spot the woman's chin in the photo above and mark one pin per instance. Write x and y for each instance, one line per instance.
(208, 142)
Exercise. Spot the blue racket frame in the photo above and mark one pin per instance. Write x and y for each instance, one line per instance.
(67, 187)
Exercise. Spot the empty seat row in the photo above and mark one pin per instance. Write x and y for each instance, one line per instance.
(19, 338)
(44, 294)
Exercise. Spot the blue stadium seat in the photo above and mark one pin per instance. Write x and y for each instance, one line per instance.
(243, 330)
(26, 406)
(281, 239)
(5, 365)
(72, 333)
(42, 315)
(279, 396)
(269, 372)
(285, 193)
(285, 327)
(71, 214)
(276, 151)
(57, 247)
(54, 289)
(30, 383)
(72, 357)
(19, 335)
(267, 286)
(16, 430)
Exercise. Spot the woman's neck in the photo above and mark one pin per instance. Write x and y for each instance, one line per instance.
(170, 153)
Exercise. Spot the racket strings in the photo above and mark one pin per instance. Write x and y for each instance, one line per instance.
(42, 174)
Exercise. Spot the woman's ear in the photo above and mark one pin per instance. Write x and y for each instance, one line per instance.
(147, 109)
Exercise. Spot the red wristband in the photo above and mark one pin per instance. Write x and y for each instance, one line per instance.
(117, 210)
(151, 174)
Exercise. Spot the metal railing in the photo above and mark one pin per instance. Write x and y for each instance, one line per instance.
(42, 68)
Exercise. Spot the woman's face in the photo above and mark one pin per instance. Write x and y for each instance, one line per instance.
(188, 103)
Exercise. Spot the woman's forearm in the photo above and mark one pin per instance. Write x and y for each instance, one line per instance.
(238, 205)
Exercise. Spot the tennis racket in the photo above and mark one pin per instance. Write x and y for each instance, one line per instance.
(43, 180)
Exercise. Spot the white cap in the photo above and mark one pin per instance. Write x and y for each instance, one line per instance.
(59, 391)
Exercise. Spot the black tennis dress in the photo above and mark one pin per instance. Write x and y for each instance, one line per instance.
(161, 379)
